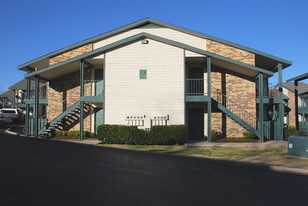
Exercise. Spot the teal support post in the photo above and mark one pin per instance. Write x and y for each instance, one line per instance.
(36, 105)
(261, 108)
(13, 99)
(27, 119)
(296, 104)
(81, 117)
(279, 136)
(209, 103)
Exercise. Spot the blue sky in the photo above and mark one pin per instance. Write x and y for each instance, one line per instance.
(32, 28)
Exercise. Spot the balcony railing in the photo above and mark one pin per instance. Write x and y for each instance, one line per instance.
(196, 87)
(93, 87)
(269, 90)
(42, 93)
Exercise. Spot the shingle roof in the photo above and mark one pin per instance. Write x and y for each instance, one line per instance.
(302, 87)
(21, 85)
(8, 93)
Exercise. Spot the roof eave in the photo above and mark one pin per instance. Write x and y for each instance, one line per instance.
(150, 36)
(160, 23)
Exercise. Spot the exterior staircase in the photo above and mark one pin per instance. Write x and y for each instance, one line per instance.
(70, 115)
(235, 111)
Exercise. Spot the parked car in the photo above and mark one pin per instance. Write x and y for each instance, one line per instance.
(9, 113)
(2, 123)
(6, 119)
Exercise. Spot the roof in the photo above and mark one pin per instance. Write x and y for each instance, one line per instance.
(22, 85)
(302, 87)
(263, 60)
(8, 93)
(298, 78)
(238, 65)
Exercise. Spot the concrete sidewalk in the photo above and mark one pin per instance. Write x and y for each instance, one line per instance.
(269, 144)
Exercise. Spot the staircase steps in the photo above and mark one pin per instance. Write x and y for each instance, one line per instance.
(71, 115)
(233, 110)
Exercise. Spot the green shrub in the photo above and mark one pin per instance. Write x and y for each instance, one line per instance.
(249, 135)
(167, 135)
(71, 133)
(160, 135)
(291, 131)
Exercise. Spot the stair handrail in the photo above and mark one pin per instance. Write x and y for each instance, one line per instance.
(60, 114)
(218, 91)
(50, 111)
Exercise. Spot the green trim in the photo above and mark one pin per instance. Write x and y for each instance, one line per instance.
(41, 101)
(209, 104)
(237, 119)
(281, 106)
(81, 115)
(92, 99)
(303, 110)
(18, 105)
(36, 105)
(27, 106)
(270, 100)
(153, 37)
(81, 119)
(184, 75)
(261, 108)
(160, 23)
(197, 99)
(298, 78)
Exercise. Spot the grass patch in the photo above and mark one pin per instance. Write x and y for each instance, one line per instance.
(271, 156)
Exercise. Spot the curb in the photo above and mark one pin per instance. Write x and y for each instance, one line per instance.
(273, 168)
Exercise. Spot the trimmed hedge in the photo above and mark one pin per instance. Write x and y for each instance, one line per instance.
(71, 133)
(157, 135)
(291, 131)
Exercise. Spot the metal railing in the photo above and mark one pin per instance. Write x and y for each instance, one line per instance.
(196, 87)
(303, 126)
(234, 107)
(42, 93)
(93, 84)
(269, 90)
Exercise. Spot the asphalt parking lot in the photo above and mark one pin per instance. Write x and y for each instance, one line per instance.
(44, 172)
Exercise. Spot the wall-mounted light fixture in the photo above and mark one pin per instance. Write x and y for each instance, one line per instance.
(144, 41)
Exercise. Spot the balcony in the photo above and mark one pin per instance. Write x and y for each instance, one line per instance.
(93, 91)
(196, 90)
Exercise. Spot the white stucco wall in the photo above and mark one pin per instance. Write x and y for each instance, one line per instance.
(158, 31)
(161, 94)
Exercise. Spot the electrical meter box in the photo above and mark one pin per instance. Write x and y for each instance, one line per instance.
(298, 146)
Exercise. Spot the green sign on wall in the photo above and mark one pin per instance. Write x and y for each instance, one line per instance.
(142, 74)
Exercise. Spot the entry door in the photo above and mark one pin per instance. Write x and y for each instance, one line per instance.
(99, 117)
(99, 83)
(196, 123)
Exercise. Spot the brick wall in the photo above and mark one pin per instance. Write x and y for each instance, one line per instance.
(230, 52)
(70, 54)
(291, 105)
(238, 89)
(66, 87)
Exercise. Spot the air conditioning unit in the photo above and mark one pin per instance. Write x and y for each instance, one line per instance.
(298, 146)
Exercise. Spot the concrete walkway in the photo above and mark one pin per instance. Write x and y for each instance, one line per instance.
(269, 144)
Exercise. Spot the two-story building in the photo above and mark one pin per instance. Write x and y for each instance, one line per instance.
(298, 92)
(6, 99)
(154, 73)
